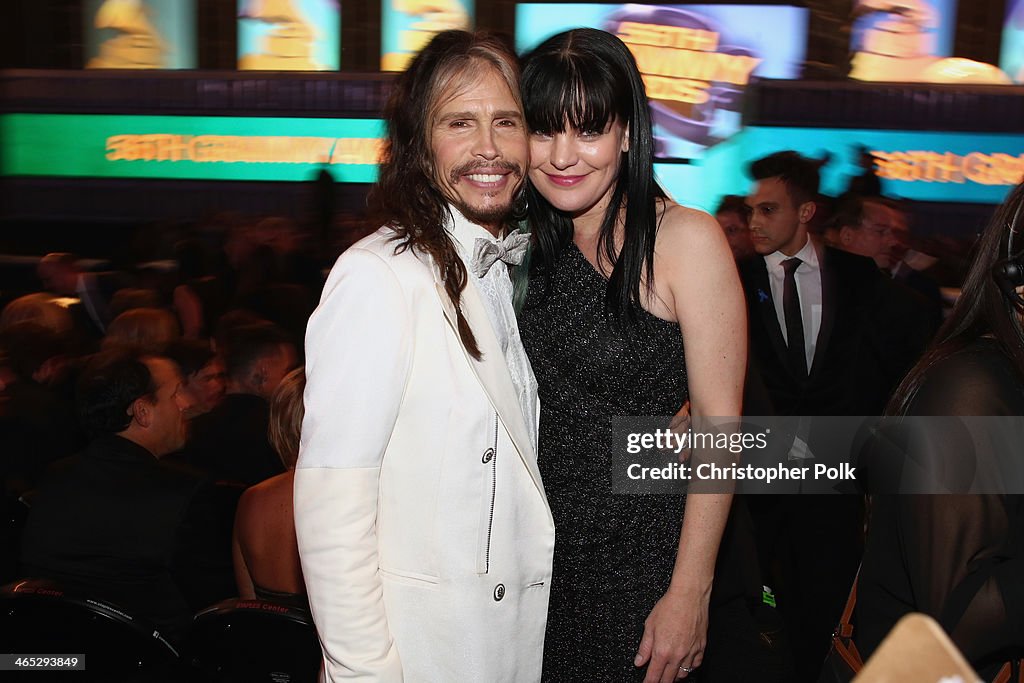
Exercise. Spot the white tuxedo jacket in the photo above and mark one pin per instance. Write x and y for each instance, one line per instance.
(425, 536)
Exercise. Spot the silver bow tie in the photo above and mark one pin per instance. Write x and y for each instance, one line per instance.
(487, 252)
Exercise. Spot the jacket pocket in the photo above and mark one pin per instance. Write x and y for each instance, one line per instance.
(409, 578)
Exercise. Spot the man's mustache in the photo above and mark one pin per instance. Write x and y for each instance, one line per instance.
(471, 166)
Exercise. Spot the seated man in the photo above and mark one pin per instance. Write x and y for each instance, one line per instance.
(116, 522)
(202, 371)
(231, 441)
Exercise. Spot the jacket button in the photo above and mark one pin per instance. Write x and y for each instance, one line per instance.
(499, 592)
(488, 456)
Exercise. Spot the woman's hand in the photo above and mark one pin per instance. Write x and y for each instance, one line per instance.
(675, 634)
(680, 425)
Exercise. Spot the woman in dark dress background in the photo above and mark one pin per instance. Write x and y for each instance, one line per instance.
(931, 553)
(620, 277)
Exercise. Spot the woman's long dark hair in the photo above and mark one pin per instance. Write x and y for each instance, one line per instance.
(584, 80)
(981, 309)
(406, 197)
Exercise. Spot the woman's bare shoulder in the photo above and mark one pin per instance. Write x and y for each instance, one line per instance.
(272, 493)
(681, 228)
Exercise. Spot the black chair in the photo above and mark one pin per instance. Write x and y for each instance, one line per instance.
(249, 641)
(40, 617)
(15, 513)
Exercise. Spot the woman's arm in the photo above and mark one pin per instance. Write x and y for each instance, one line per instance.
(695, 267)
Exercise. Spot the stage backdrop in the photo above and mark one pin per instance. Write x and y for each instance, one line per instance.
(696, 60)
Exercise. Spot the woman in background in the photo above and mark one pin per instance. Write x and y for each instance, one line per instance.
(959, 557)
(265, 552)
(620, 277)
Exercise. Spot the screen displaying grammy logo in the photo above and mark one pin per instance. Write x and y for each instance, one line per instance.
(696, 60)
(1012, 56)
(288, 149)
(139, 34)
(289, 35)
(911, 41)
(408, 25)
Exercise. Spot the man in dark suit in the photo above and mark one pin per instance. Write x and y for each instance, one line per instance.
(875, 227)
(116, 522)
(231, 440)
(860, 333)
(910, 266)
(827, 337)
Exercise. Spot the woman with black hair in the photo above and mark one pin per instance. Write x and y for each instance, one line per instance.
(958, 557)
(620, 277)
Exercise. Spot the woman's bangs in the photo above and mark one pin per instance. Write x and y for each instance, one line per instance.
(565, 95)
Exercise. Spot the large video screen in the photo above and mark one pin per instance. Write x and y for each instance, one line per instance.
(1012, 56)
(189, 147)
(139, 34)
(289, 35)
(408, 25)
(911, 42)
(696, 60)
(917, 28)
(922, 166)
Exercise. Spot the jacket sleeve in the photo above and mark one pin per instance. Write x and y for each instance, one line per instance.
(358, 356)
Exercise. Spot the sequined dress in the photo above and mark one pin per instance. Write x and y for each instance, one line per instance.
(613, 553)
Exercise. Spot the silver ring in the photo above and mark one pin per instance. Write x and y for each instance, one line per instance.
(685, 669)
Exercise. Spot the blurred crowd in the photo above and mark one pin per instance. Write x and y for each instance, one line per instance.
(140, 406)
(192, 358)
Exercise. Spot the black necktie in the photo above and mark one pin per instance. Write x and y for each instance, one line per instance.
(794, 322)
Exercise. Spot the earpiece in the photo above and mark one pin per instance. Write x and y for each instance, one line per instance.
(1009, 272)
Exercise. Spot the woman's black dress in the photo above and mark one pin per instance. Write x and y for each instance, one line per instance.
(614, 553)
(921, 550)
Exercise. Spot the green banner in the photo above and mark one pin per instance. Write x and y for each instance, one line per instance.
(189, 147)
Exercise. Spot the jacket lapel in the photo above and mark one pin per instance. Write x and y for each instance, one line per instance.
(765, 305)
(829, 293)
(492, 371)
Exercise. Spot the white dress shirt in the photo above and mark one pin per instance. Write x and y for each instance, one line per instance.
(495, 289)
(808, 287)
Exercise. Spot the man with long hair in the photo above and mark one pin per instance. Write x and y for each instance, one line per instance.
(425, 536)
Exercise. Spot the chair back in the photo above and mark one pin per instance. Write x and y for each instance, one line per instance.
(40, 617)
(15, 513)
(251, 641)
